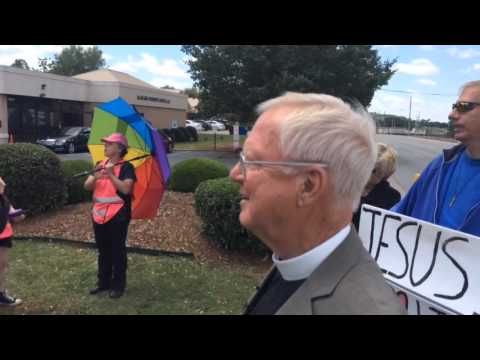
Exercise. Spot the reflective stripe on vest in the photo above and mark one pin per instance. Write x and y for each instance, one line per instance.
(109, 200)
(7, 232)
(106, 202)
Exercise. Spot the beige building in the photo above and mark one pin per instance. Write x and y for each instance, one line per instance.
(34, 104)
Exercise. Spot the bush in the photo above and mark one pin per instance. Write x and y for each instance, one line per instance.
(169, 133)
(75, 191)
(179, 135)
(193, 133)
(34, 177)
(217, 202)
(186, 134)
(188, 174)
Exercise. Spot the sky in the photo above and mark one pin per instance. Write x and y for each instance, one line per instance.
(430, 74)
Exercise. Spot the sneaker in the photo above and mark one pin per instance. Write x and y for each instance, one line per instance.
(7, 300)
(115, 294)
(99, 289)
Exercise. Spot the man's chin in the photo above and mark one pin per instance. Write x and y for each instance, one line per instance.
(244, 220)
(460, 136)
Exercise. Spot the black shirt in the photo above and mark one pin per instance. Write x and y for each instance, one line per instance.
(273, 295)
(127, 171)
(382, 195)
(4, 210)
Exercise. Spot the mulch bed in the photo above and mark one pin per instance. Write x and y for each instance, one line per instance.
(176, 228)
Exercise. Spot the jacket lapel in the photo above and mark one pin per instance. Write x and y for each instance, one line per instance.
(256, 294)
(325, 278)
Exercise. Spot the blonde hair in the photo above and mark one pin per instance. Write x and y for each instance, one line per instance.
(386, 161)
(326, 129)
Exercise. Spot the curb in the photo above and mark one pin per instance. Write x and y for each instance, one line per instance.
(89, 245)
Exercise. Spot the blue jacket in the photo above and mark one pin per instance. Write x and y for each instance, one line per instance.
(421, 201)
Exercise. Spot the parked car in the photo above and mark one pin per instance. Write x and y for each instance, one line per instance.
(167, 140)
(206, 126)
(70, 140)
(216, 125)
(194, 124)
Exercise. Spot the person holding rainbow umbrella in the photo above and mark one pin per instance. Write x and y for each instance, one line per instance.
(128, 182)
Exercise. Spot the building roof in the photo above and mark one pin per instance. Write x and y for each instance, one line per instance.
(113, 76)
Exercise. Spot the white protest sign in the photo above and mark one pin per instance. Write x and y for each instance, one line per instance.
(433, 269)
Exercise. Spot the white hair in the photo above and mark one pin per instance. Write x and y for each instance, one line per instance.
(324, 128)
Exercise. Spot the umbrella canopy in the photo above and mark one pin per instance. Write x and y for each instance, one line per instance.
(152, 171)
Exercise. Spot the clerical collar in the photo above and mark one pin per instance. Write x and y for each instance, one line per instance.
(302, 266)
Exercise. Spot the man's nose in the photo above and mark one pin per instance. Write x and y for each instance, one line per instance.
(236, 173)
(453, 116)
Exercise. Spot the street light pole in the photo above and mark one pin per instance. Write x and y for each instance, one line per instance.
(410, 113)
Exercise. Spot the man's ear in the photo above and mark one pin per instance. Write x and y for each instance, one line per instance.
(313, 184)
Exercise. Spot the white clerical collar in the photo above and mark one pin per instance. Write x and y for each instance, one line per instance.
(302, 266)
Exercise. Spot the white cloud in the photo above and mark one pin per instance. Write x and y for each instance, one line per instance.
(427, 82)
(468, 70)
(418, 67)
(388, 46)
(107, 57)
(389, 103)
(29, 53)
(463, 54)
(176, 83)
(426, 47)
(126, 66)
(426, 107)
(187, 58)
(148, 63)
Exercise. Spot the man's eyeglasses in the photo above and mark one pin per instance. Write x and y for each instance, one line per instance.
(464, 106)
(244, 162)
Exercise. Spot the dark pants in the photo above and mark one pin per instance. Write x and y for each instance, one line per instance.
(111, 240)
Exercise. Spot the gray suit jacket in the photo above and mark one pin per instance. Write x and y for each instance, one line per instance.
(349, 281)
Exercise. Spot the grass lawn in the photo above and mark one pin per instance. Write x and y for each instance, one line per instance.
(55, 279)
(209, 142)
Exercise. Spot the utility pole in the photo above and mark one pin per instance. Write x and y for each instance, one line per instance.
(410, 113)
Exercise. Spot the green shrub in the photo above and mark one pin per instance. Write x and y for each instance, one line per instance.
(193, 133)
(76, 192)
(179, 135)
(217, 202)
(34, 177)
(185, 133)
(188, 174)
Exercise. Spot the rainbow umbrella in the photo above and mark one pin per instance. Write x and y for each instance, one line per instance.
(144, 144)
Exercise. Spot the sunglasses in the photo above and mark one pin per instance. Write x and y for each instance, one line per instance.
(464, 106)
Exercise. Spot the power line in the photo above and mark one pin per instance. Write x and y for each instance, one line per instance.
(412, 92)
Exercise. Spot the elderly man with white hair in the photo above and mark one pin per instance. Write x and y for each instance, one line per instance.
(302, 172)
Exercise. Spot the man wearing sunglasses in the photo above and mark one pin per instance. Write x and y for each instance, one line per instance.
(448, 191)
(301, 175)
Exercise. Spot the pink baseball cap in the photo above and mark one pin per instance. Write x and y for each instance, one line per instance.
(116, 138)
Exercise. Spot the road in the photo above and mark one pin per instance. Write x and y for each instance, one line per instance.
(414, 154)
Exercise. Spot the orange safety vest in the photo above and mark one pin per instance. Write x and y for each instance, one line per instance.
(7, 232)
(106, 202)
